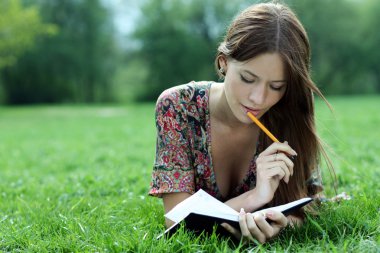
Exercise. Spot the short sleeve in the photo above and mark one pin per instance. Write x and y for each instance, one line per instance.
(172, 170)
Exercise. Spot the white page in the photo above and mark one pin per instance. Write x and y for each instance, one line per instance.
(202, 203)
(285, 207)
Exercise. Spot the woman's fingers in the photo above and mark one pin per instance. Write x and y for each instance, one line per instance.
(265, 228)
(249, 229)
(255, 227)
(271, 229)
(272, 169)
(285, 169)
(278, 147)
(276, 156)
(278, 171)
(243, 225)
(279, 218)
(279, 157)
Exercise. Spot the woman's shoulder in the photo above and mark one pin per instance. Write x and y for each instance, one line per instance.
(185, 93)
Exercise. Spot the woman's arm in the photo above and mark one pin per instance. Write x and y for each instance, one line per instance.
(249, 201)
(170, 201)
(272, 166)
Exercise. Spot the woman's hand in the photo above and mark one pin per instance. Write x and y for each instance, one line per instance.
(273, 165)
(255, 227)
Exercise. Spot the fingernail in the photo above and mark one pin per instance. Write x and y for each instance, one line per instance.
(286, 142)
(242, 211)
(269, 214)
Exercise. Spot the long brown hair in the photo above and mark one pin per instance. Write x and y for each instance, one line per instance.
(273, 27)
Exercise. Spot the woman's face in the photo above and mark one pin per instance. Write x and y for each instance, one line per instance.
(254, 85)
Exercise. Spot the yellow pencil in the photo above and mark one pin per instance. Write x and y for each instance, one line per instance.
(258, 123)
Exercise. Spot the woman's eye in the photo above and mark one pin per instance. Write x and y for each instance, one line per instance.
(246, 80)
(276, 88)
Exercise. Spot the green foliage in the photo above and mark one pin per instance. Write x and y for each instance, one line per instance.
(76, 65)
(79, 181)
(370, 39)
(336, 39)
(174, 42)
(19, 28)
(179, 40)
(130, 80)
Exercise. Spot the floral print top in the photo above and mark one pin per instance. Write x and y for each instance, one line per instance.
(183, 160)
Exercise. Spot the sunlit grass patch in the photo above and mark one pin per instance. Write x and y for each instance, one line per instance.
(75, 178)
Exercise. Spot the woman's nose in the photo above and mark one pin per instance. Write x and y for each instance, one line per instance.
(258, 94)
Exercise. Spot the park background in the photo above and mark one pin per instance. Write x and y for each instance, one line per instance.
(78, 82)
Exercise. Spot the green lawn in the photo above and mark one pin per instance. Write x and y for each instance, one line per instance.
(75, 179)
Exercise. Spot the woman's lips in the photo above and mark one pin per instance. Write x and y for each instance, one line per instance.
(255, 112)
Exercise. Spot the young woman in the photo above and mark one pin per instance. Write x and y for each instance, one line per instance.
(205, 139)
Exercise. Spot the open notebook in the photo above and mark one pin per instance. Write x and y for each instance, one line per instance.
(201, 212)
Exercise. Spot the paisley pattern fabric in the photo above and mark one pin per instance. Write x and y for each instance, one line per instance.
(183, 150)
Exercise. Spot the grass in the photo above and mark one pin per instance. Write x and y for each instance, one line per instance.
(75, 179)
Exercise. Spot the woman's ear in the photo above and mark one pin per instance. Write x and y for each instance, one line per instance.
(222, 62)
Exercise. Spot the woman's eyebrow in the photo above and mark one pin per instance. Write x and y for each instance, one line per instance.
(254, 75)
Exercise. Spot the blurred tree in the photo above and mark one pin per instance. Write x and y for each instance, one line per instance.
(19, 27)
(370, 41)
(179, 40)
(334, 35)
(174, 42)
(74, 66)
